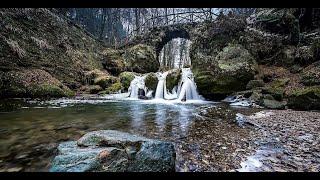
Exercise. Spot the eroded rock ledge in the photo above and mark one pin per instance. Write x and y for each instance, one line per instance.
(114, 151)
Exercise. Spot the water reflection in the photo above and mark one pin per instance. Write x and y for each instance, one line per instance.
(185, 115)
(161, 117)
(26, 128)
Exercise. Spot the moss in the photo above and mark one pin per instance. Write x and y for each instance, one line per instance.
(151, 82)
(47, 90)
(126, 78)
(173, 79)
(141, 58)
(114, 88)
(113, 61)
(43, 40)
(273, 104)
(277, 88)
(33, 83)
(104, 81)
(305, 99)
(219, 87)
(255, 84)
(94, 89)
(311, 75)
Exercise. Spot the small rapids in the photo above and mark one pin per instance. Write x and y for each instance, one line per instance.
(185, 90)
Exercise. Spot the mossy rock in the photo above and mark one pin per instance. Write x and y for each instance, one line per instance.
(104, 81)
(255, 84)
(281, 21)
(276, 88)
(305, 99)
(256, 97)
(273, 104)
(141, 58)
(213, 87)
(32, 83)
(113, 61)
(90, 76)
(94, 89)
(173, 79)
(114, 88)
(126, 78)
(47, 90)
(229, 72)
(310, 76)
(151, 82)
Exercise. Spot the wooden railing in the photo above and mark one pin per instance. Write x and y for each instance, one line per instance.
(167, 20)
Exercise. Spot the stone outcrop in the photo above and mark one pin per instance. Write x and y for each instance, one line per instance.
(114, 151)
(141, 59)
(228, 72)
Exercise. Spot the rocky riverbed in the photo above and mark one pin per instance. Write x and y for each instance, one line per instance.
(270, 140)
(206, 137)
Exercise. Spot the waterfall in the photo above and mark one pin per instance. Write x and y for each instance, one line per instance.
(161, 91)
(187, 89)
(137, 84)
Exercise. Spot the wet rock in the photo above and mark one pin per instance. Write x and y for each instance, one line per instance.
(114, 151)
(173, 79)
(151, 82)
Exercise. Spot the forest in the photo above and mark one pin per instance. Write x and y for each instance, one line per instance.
(159, 89)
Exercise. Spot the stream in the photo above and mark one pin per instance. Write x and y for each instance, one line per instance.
(30, 132)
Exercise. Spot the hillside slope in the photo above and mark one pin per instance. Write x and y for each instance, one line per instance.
(38, 40)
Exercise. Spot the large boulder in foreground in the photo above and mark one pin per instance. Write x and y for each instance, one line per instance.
(141, 59)
(114, 151)
(228, 72)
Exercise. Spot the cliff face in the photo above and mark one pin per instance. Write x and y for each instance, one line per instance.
(32, 39)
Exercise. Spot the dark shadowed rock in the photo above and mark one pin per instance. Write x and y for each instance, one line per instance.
(307, 98)
(114, 151)
(229, 71)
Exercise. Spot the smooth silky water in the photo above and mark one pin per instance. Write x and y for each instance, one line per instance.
(29, 134)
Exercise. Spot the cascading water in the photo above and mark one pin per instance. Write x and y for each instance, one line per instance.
(161, 87)
(186, 88)
(137, 84)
